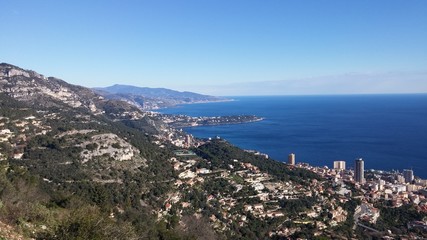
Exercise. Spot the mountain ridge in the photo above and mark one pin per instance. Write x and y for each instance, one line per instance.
(154, 98)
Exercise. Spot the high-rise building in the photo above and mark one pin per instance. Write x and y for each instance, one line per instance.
(381, 184)
(291, 159)
(359, 170)
(188, 140)
(408, 174)
(339, 165)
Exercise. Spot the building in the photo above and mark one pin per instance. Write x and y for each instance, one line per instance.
(339, 165)
(400, 179)
(291, 159)
(359, 171)
(381, 184)
(408, 174)
(188, 141)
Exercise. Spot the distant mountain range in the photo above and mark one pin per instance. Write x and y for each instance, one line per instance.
(153, 98)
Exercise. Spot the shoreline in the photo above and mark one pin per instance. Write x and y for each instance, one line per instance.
(185, 121)
(301, 131)
(219, 124)
(191, 103)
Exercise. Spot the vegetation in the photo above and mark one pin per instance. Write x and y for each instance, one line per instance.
(396, 219)
(221, 154)
(52, 194)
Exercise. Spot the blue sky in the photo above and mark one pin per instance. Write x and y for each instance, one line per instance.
(230, 47)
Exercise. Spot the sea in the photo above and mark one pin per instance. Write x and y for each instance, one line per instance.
(388, 131)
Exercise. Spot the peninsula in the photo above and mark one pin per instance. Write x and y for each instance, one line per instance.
(181, 121)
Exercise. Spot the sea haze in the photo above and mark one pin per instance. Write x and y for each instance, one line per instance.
(387, 131)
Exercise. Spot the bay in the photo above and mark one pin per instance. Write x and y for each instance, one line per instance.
(387, 131)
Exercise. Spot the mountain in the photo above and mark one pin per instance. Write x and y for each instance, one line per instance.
(157, 93)
(153, 98)
(67, 151)
(39, 91)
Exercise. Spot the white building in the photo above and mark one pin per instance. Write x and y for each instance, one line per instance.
(339, 165)
(291, 159)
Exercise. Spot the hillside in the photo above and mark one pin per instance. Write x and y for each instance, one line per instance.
(66, 148)
(153, 98)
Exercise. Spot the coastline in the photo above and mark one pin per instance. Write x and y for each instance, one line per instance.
(230, 123)
(323, 129)
(192, 103)
(185, 121)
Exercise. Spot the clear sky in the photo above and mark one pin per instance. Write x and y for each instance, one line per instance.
(223, 47)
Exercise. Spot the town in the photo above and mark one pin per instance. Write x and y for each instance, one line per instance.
(264, 197)
(181, 121)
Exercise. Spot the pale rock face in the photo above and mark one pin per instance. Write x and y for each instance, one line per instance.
(32, 87)
(27, 90)
(187, 174)
(74, 132)
(37, 75)
(92, 107)
(105, 146)
(13, 72)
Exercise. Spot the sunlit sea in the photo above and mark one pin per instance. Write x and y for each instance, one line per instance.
(388, 131)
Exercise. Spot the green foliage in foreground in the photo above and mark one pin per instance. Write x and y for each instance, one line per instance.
(28, 204)
(396, 219)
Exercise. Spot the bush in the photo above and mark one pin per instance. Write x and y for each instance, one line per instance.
(92, 146)
(116, 145)
(88, 222)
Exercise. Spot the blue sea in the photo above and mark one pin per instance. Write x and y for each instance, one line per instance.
(388, 131)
